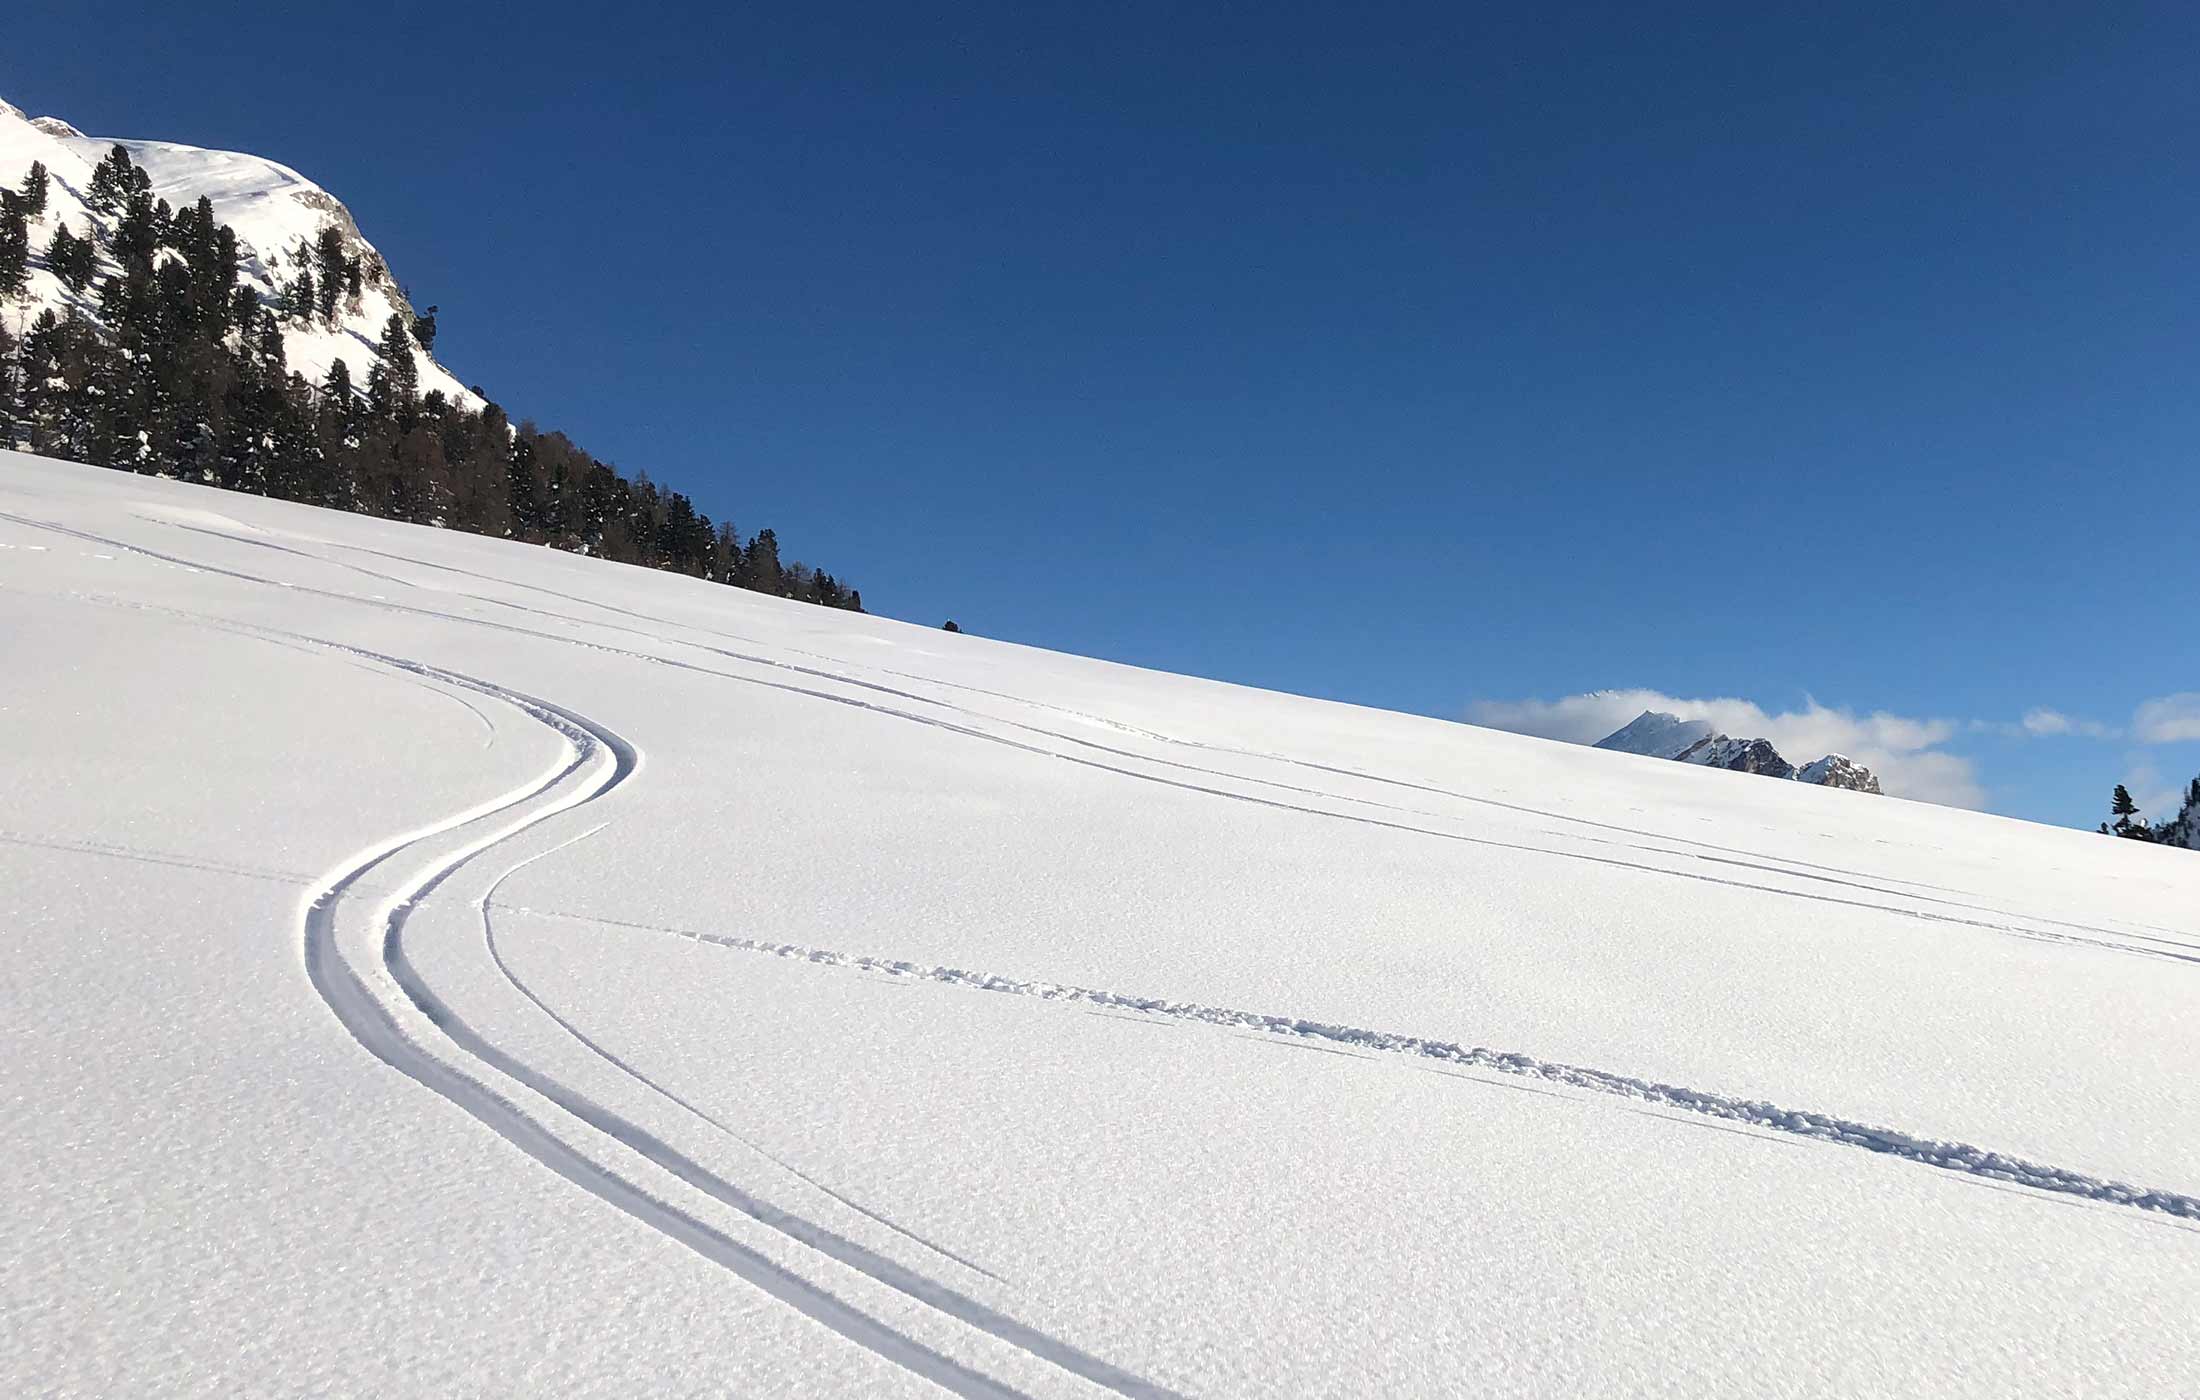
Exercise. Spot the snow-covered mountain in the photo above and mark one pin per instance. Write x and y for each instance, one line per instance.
(274, 210)
(1655, 734)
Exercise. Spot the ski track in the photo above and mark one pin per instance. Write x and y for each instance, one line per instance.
(371, 1024)
(2106, 939)
(378, 1032)
(1788, 866)
(496, 955)
(1822, 1127)
(1952, 1156)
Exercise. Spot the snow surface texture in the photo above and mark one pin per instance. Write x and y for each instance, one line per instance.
(271, 207)
(442, 965)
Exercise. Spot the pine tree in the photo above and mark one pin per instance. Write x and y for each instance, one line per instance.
(393, 384)
(764, 571)
(423, 329)
(329, 261)
(69, 258)
(303, 298)
(15, 254)
(111, 182)
(32, 200)
(137, 236)
(2123, 809)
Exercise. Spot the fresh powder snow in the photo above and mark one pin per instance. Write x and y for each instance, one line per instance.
(441, 965)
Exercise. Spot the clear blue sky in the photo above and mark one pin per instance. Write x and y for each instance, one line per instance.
(1412, 355)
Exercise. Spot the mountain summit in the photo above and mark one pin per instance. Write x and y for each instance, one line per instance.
(1655, 734)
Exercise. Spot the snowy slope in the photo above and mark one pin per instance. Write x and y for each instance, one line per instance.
(271, 207)
(439, 965)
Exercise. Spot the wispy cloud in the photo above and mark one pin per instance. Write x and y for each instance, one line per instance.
(2169, 719)
(2044, 723)
(1905, 752)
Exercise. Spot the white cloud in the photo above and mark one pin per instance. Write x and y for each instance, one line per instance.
(2169, 719)
(1904, 752)
(2155, 795)
(2042, 723)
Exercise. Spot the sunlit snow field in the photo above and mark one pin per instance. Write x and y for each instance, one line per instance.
(439, 965)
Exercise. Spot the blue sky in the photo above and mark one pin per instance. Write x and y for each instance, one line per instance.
(1836, 360)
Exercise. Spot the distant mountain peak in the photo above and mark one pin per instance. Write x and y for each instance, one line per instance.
(1656, 734)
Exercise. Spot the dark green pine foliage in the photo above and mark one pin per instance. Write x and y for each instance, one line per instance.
(393, 383)
(15, 253)
(11, 389)
(71, 259)
(2123, 809)
(328, 265)
(111, 182)
(423, 328)
(184, 374)
(29, 199)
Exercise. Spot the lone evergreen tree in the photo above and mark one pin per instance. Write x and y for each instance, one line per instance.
(2123, 809)
(423, 328)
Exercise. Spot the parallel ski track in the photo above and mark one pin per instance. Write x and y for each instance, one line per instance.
(2178, 950)
(357, 1008)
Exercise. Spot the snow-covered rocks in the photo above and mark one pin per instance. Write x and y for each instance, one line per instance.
(1839, 771)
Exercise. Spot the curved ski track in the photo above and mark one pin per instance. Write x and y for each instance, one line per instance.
(585, 777)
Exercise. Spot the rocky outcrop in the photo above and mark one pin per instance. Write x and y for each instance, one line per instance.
(1738, 756)
(1838, 771)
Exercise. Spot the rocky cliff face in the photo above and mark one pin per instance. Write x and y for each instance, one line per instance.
(1658, 735)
